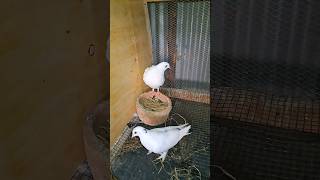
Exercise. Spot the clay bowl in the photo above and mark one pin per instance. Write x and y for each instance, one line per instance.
(151, 117)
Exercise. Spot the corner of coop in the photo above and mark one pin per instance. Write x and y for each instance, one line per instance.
(179, 34)
(130, 53)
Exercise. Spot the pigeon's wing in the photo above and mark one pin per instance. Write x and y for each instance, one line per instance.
(146, 76)
(148, 68)
(161, 141)
(153, 77)
(148, 73)
(163, 129)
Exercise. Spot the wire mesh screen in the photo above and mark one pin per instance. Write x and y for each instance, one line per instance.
(267, 46)
(181, 36)
(257, 152)
(265, 87)
(267, 109)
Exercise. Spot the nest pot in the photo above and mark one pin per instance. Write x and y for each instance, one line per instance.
(153, 108)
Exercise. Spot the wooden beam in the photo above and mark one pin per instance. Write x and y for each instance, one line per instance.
(187, 95)
(266, 109)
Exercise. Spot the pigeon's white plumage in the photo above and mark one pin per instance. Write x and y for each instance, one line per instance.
(160, 140)
(154, 76)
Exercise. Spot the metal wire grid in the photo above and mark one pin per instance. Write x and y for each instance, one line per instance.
(192, 150)
(265, 89)
(117, 147)
(253, 152)
(268, 45)
(198, 115)
(280, 79)
(266, 109)
(180, 33)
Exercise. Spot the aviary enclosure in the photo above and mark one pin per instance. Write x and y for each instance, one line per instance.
(265, 89)
(180, 34)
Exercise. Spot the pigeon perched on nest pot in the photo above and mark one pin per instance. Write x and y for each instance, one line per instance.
(153, 76)
(154, 108)
(160, 140)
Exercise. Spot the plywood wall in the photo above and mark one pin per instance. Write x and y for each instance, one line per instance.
(48, 83)
(130, 54)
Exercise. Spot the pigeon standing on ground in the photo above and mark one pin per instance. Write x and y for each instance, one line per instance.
(160, 140)
(154, 76)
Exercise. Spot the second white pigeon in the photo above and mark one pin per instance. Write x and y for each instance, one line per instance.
(154, 76)
(160, 140)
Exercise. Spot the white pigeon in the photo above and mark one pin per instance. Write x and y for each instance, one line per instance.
(154, 76)
(160, 140)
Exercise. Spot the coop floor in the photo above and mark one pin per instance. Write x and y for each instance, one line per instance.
(249, 151)
(189, 159)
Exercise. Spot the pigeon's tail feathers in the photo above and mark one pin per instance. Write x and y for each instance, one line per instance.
(185, 131)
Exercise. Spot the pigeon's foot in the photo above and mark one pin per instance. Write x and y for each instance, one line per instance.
(154, 93)
(160, 159)
(149, 152)
(162, 156)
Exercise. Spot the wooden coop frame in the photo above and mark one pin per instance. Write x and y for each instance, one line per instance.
(197, 101)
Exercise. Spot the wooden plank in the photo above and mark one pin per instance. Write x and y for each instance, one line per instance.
(266, 109)
(129, 56)
(187, 95)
